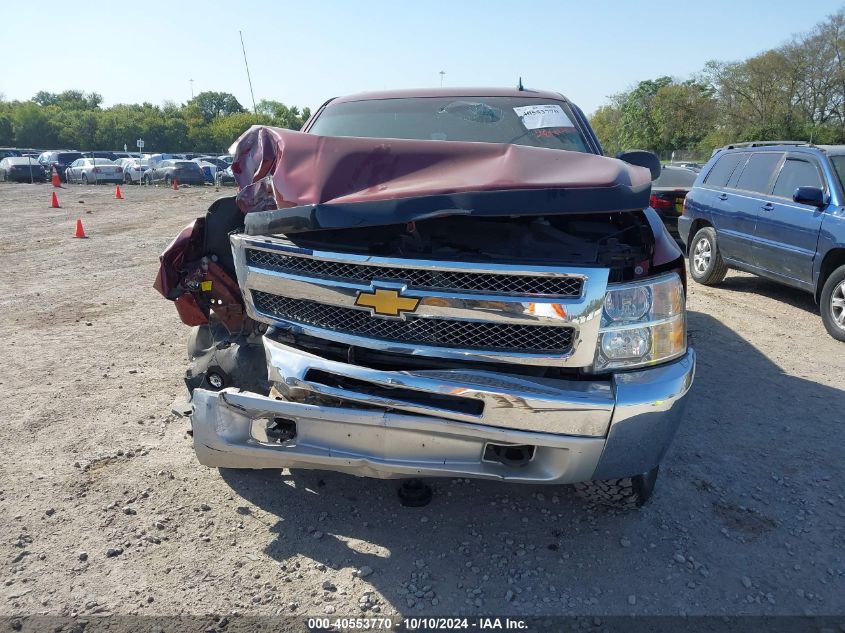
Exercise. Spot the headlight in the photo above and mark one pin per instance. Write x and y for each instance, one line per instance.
(643, 323)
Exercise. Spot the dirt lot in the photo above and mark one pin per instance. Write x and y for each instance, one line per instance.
(749, 516)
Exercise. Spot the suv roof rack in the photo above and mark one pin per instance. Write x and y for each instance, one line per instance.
(764, 143)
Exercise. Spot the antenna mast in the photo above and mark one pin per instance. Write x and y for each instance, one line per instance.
(249, 79)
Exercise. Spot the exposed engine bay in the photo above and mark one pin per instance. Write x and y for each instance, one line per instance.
(226, 349)
(619, 241)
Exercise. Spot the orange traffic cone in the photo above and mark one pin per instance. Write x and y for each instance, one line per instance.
(175, 185)
(54, 202)
(117, 193)
(54, 179)
(80, 231)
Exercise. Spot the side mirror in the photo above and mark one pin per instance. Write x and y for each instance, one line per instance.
(812, 196)
(642, 158)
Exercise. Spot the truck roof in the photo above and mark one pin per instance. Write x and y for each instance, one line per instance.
(449, 92)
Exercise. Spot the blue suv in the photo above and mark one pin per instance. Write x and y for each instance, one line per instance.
(775, 209)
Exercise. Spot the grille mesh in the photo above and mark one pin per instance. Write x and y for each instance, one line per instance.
(419, 278)
(500, 337)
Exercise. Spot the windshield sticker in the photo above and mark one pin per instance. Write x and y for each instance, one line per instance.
(550, 132)
(543, 116)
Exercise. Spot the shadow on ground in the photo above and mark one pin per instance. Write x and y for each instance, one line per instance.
(757, 450)
(751, 284)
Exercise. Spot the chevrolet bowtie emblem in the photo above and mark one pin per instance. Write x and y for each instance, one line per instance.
(386, 302)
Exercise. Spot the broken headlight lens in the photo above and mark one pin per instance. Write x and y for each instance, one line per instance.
(643, 323)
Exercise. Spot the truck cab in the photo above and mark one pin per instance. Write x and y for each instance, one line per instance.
(446, 283)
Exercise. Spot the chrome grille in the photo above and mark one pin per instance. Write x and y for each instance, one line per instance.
(474, 335)
(418, 278)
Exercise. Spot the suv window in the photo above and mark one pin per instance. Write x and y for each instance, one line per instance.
(796, 173)
(722, 170)
(758, 172)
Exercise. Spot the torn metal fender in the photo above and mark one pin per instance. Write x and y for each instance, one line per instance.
(194, 279)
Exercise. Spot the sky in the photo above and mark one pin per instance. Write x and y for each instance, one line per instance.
(306, 52)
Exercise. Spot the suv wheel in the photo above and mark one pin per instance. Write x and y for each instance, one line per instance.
(832, 304)
(626, 493)
(706, 265)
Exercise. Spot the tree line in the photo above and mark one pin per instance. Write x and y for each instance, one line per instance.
(793, 92)
(73, 119)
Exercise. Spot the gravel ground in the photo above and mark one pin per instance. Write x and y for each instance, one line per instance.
(104, 510)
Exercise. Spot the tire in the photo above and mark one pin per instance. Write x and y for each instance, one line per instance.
(84, 179)
(627, 493)
(167, 180)
(706, 265)
(832, 304)
(127, 178)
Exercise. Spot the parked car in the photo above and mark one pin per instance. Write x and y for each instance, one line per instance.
(668, 193)
(133, 169)
(477, 312)
(225, 177)
(777, 211)
(94, 171)
(8, 151)
(226, 158)
(696, 167)
(100, 154)
(185, 172)
(155, 159)
(60, 159)
(209, 170)
(21, 169)
(219, 164)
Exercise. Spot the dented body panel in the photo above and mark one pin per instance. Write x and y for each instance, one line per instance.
(403, 307)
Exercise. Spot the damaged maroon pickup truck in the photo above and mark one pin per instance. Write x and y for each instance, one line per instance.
(445, 283)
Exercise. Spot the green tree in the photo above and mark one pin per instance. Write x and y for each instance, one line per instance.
(605, 123)
(225, 130)
(30, 125)
(282, 115)
(69, 99)
(684, 113)
(6, 131)
(638, 123)
(212, 105)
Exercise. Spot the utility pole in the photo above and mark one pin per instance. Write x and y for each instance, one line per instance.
(192, 89)
(442, 74)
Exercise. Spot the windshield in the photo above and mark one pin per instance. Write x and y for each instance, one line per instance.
(68, 157)
(520, 120)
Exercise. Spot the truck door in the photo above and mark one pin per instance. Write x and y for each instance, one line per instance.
(787, 232)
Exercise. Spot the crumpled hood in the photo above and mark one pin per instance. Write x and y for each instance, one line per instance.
(292, 181)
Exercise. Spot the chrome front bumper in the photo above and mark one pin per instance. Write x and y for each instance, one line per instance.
(438, 423)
